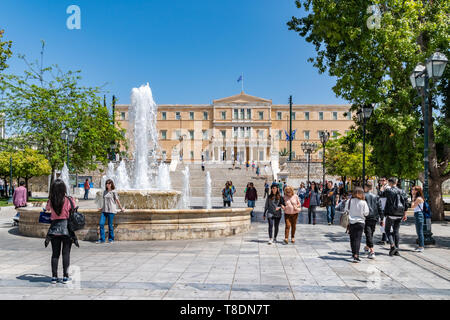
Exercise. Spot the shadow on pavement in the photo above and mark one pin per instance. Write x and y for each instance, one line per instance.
(35, 278)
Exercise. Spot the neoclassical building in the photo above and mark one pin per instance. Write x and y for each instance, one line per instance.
(241, 127)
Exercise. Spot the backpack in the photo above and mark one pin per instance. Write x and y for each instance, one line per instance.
(76, 219)
(398, 208)
(426, 210)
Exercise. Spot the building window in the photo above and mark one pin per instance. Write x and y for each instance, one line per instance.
(242, 114)
(235, 132)
(349, 115)
(122, 116)
(191, 115)
(279, 115)
(306, 115)
(164, 115)
(164, 134)
(192, 154)
(335, 116)
(177, 115)
(191, 134)
(261, 115)
(335, 134)
(293, 154)
(280, 134)
(241, 130)
(306, 133)
(293, 115)
(224, 115)
(205, 115)
(249, 114)
(320, 115)
(261, 134)
(247, 132)
(320, 154)
(236, 114)
(224, 133)
(320, 133)
(205, 134)
(177, 134)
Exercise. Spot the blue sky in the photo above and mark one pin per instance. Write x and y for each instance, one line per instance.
(189, 51)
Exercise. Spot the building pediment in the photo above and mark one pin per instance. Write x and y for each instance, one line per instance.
(242, 98)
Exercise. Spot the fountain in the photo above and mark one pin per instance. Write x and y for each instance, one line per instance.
(65, 177)
(153, 209)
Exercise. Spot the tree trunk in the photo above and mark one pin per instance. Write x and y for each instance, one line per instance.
(436, 200)
(26, 186)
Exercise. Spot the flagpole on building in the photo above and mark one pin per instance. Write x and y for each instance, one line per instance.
(242, 82)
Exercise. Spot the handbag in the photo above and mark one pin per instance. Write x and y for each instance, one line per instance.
(306, 203)
(344, 221)
(44, 217)
(77, 220)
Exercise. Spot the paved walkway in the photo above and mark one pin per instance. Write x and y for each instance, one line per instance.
(244, 266)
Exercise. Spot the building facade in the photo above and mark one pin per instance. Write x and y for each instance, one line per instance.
(240, 128)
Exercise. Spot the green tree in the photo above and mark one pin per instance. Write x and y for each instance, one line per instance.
(46, 100)
(30, 163)
(372, 65)
(5, 52)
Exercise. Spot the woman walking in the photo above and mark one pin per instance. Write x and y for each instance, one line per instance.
(358, 210)
(272, 210)
(227, 195)
(59, 234)
(301, 193)
(291, 209)
(109, 209)
(419, 205)
(314, 201)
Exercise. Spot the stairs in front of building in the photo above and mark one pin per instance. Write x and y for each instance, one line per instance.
(220, 174)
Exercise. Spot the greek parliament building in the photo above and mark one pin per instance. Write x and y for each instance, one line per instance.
(241, 127)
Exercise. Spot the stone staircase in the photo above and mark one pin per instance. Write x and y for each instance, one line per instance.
(220, 174)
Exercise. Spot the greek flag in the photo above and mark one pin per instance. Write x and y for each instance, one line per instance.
(240, 78)
(290, 138)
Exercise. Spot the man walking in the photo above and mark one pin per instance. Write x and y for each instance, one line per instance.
(330, 193)
(251, 196)
(87, 187)
(382, 184)
(375, 214)
(395, 212)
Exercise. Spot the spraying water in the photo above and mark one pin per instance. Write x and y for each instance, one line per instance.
(186, 200)
(65, 177)
(123, 180)
(208, 190)
(164, 177)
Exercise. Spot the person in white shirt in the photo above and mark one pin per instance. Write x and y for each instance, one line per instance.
(358, 210)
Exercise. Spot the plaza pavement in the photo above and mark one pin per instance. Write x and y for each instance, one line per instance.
(244, 266)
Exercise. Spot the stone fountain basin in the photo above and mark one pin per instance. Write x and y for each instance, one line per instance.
(146, 199)
(151, 224)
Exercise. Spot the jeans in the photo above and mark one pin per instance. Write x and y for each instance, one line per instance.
(66, 243)
(266, 192)
(369, 229)
(225, 203)
(291, 223)
(86, 194)
(273, 221)
(312, 210)
(394, 236)
(356, 231)
(330, 213)
(419, 219)
(103, 217)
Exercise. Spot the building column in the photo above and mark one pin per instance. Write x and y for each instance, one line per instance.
(251, 152)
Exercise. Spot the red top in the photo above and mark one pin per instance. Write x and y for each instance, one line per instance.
(64, 211)
(87, 186)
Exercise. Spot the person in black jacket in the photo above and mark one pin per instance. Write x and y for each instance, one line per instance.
(375, 213)
(395, 212)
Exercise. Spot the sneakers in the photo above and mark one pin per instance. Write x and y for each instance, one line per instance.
(270, 241)
(286, 241)
(99, 241)
(111, 241)
(54, 280)
(419, 249)
(371, 255)
(293, 240)
(356, 260)
(366, 249)
(66, 279)
(396, 253)
(381, 243)
(329, 223)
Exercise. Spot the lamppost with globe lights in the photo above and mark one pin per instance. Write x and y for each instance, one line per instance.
(364, 114)
(69, 137)
(308, 148)
(324, 137)
(434, 68)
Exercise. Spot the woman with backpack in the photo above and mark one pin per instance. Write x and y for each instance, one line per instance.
(419, 206)
(357, 209)
(272, 210)
(108, 211)
(59, 233)
(227, 195)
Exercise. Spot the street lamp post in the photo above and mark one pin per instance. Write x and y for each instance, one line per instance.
(324, 137)
(10, 200)
(308, 148)
(69, 137)
(364, 114)
(435, 66)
